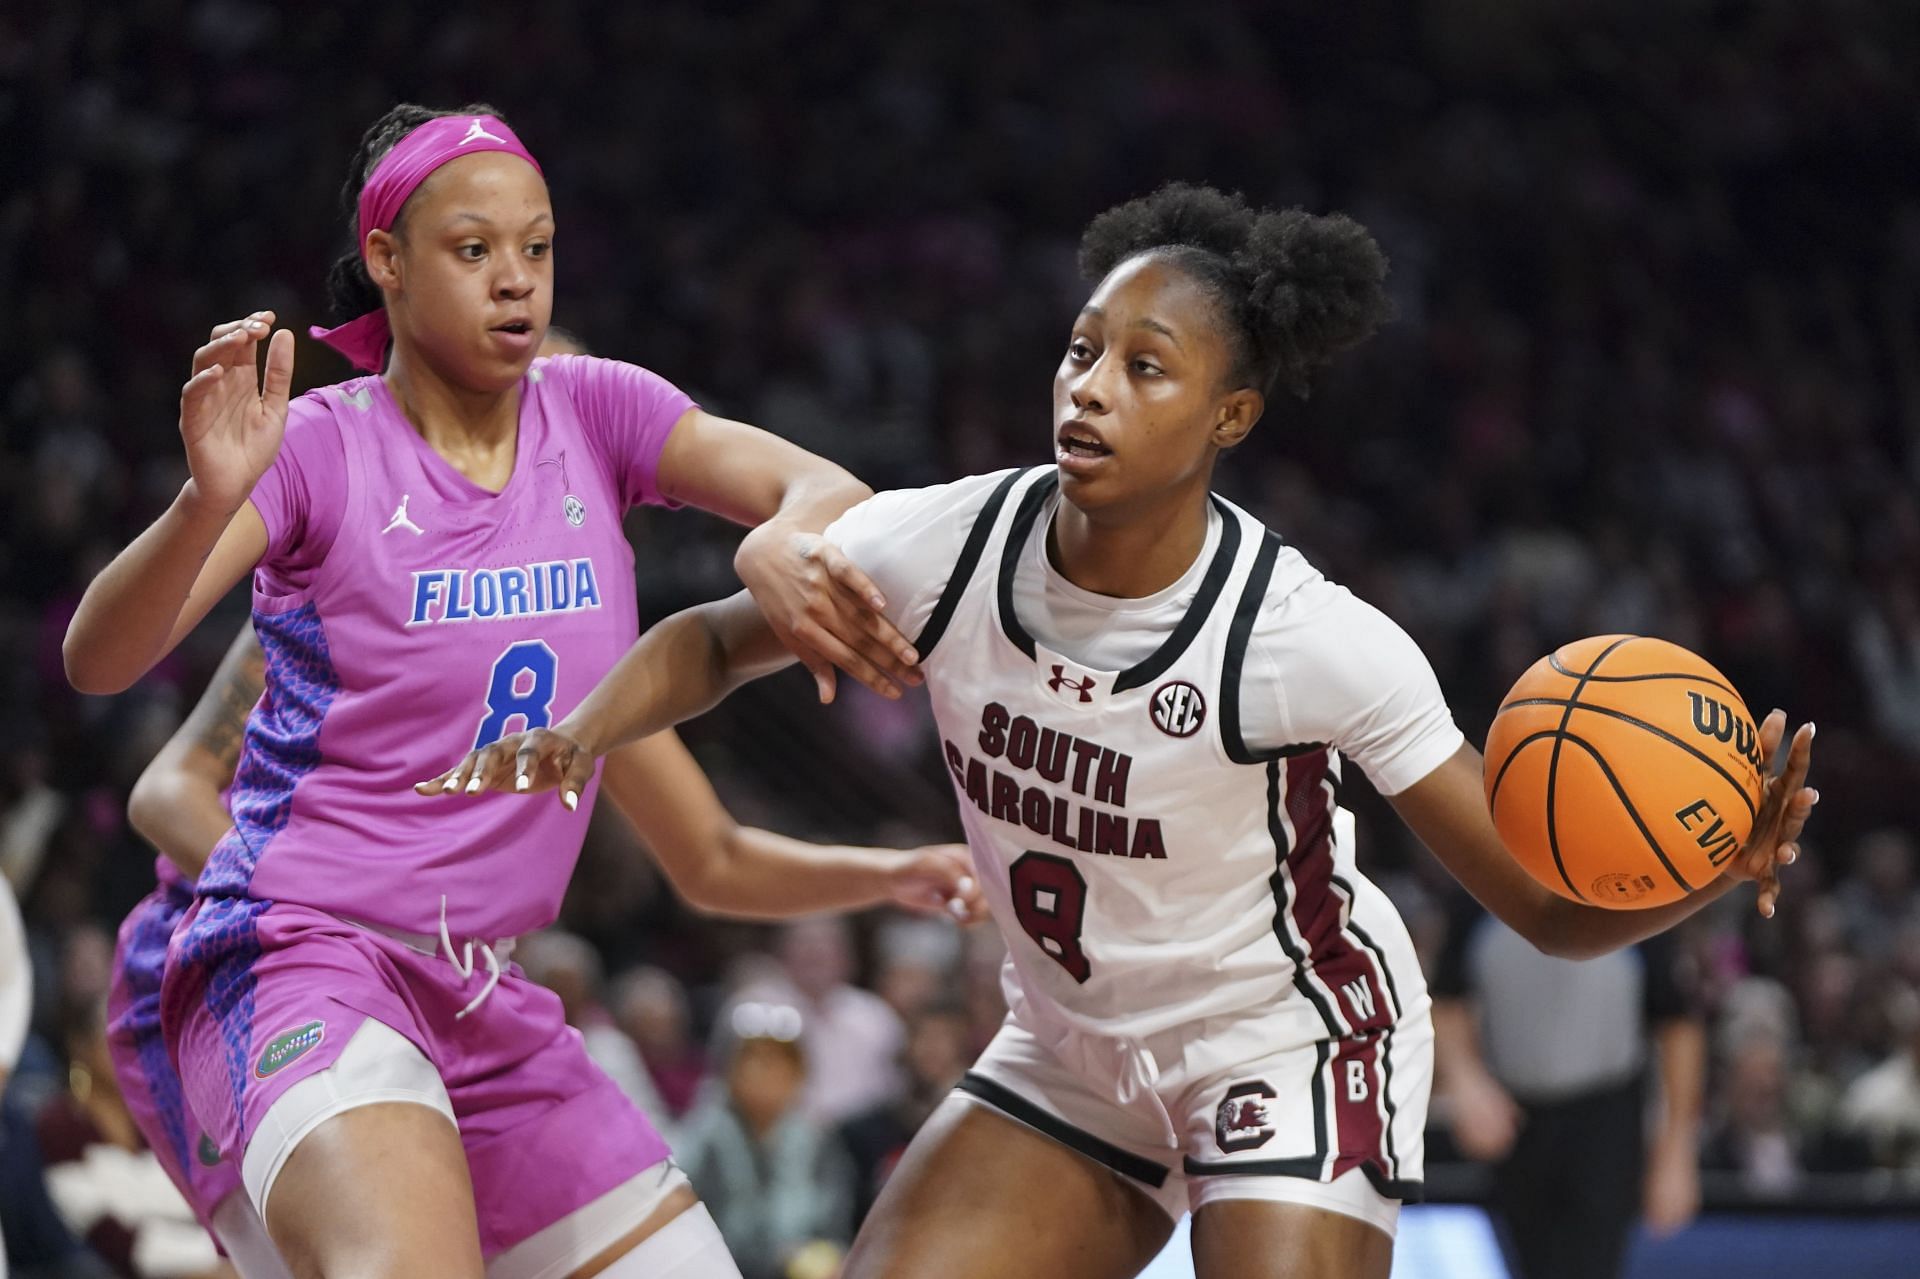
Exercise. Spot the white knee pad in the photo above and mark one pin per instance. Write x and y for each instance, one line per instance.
(688, 1247)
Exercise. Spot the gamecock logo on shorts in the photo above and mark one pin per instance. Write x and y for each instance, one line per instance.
(1242, 1122)
(1178, 709)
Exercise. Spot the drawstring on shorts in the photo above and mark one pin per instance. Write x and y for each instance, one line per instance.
(462, 962)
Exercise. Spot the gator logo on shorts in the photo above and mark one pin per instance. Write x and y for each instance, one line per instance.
(207, 1152)
(288, 1047)
(1242, 1122)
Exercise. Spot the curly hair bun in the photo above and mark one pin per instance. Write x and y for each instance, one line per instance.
(1298, 288)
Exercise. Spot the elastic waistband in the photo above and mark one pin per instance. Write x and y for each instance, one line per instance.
(427, 943)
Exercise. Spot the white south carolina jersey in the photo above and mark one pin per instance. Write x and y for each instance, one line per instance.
(1150, 788)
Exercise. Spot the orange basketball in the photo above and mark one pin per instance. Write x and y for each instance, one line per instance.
(1623, 772)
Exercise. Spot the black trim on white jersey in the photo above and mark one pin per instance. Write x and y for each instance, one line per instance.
(1023, 520)
(1161, 659)
(1239, 635)
(1406, 1191)
(963, 568)
(1106, 1154)
(1198, 613)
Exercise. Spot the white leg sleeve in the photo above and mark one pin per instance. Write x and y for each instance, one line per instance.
(241, 1232)
(688, 1247)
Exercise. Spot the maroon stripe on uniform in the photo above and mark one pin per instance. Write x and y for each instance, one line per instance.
(1356, 1105)
(1338, 965)
(1318, 911)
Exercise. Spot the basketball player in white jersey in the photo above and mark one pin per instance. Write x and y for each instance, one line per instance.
(1144, 699)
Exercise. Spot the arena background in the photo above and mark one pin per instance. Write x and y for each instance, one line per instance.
(1655, 370)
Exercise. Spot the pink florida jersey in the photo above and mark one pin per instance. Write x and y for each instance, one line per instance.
(408, 615)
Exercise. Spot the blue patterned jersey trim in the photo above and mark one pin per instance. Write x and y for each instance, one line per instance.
(282, 747)
(142, 963)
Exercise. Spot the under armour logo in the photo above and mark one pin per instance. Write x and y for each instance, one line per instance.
(477, 131)
(1060, 682)
(361, 399)
(400, 519)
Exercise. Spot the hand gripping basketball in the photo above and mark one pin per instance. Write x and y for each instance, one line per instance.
(1789, 801)
(1625, 772)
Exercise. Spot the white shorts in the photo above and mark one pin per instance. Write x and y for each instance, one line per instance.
(1192, 1118)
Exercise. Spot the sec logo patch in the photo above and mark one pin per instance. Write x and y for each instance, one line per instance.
(1178, 709)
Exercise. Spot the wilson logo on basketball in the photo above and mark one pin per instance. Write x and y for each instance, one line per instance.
(1725, 724)
(1178, 709)
(1241, 1122)
(1702, 820)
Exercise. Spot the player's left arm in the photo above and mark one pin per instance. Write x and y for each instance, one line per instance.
(820, 604)
(176, 804)
(1447, 809)
(724, 868)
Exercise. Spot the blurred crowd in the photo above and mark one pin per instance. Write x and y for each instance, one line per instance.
(1654, 370)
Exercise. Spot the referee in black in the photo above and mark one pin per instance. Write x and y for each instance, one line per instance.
(1543, 1065)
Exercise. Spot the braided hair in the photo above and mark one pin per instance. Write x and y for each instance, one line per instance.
(350, 290)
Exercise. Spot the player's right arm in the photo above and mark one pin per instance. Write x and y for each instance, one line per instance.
(1447, 809)
(906, 540)
(680, 668)
(160, 586)
(176, 805)
(724, 868)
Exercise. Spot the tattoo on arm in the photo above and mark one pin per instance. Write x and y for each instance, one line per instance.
(219, 719)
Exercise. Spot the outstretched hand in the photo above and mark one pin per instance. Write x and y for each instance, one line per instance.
(939, 880)
(1785, 805)
(825, 610)
(537, 760)
(231, 417)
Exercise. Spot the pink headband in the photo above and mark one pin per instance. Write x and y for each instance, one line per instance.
(399, 173)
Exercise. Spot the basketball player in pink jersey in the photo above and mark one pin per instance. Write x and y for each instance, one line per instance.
(437, 543)
(179, 805)
(1144, 699)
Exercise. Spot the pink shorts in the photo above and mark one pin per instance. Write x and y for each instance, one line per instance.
(142, 1064)
(260, 996)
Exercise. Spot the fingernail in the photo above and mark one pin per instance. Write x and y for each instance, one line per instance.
(877, 601)
(256, 325)
(966, 883)
(913, 658)
(1812, 729)
(522, 782)
(956, 908)
(473, 785)
(1813, 795)
(448, 785)
(571, 799)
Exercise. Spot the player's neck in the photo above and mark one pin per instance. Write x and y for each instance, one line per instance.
(1133, 554)
(462, 425)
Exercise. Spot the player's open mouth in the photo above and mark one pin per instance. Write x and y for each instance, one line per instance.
(514, 326)
(1077, 441)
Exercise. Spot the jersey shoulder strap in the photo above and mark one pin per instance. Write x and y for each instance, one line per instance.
(1253, 595)
(968, 563)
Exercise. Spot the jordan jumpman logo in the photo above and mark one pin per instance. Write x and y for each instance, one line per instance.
(400, 519)
(475, 132)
